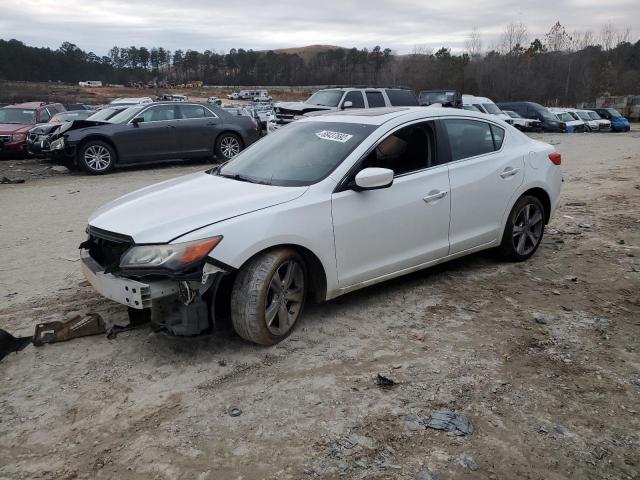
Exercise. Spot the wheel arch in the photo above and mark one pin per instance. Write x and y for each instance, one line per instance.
(228, 129)
(542, 195)
(96, 136)
(317, 275)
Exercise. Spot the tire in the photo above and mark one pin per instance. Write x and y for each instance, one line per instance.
(228, 145)
(268, 296)
(96, 157)
(524, 230)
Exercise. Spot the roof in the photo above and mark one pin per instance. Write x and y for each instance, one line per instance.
(32, 105)
(378, 116)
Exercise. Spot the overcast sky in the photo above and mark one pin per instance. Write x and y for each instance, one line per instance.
(97, 25)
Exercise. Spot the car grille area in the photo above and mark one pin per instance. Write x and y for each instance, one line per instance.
(106, 248)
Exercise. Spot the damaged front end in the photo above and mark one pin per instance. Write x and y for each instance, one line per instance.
(172, 285)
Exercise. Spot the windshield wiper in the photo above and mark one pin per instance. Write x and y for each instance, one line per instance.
(237, 176)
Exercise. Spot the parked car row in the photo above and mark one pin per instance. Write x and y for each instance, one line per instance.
(254, 95)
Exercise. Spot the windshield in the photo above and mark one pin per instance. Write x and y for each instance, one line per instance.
(512, 114)
(471, 108)
(492, 108)
(594, 116)
(68, 117)
(326, 98)
(17, 116)
(584, 116)
(564, 117)
(125, 114)
(614, 113)
(301, 154)
(104, 114)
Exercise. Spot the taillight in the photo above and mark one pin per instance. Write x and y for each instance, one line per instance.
(555, 158)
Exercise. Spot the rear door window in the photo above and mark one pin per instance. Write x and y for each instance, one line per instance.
(192, 111)
(375, 99)
(402, 98)
(355, 97)
(470, 138)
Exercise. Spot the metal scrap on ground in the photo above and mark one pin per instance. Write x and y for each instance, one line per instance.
(450, 422)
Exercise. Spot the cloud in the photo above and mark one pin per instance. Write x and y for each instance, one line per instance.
(220, 25)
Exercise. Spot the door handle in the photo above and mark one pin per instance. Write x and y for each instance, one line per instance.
(509, 172)
(171, 126)
(435, 196)
(212, 123)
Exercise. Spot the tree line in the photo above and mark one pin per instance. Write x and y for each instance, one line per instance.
(557, 68)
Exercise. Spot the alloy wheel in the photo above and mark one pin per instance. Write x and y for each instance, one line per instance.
(285, 297)
(527, 229)
(97, 157)
(230, 147)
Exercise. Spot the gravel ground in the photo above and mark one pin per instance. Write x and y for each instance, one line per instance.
(541, 356)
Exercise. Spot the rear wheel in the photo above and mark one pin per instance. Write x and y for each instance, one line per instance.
(268, 296)
(96, 157)
(228, 145)
(524, 229)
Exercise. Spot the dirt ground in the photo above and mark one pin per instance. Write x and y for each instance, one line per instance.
(542, 356)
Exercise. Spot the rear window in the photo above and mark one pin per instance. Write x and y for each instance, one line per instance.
(402, 98)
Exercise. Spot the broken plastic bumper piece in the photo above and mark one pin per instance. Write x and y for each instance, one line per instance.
(128, 292)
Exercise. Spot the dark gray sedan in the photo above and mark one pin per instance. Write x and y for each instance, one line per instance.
(153, 132)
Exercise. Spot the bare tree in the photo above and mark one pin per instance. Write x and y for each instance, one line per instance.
(422, 49)
(607, 36)
(622, 36)
(514, 37)
(474, 44)
(558, 40)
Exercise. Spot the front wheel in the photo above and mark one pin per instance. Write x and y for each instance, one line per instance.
(268, 296)
(228, 145)
(96, 157)
(524, 229)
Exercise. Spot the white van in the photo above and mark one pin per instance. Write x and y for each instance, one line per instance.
(90, 83)
(484, 105)
(251, 94)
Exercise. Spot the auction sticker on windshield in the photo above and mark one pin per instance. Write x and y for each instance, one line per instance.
(334, 136)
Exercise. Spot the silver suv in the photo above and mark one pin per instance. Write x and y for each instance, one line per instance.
(340, 98)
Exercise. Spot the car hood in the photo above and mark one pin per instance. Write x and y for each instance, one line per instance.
(165, 211)
(11, 128)
(45, 128)
(300, 107)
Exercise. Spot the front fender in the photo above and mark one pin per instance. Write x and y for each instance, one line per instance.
(302, 223)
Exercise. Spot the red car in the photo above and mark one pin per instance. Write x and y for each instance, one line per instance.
(16, 121)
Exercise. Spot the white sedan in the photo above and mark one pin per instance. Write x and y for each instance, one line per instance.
(322, 207)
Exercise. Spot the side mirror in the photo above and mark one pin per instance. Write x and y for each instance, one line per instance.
(373, 178)
(137, 120)
(347, 104)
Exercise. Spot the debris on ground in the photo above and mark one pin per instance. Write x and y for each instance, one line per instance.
(384, 382)
(234, 411)
(450, 422)
(10, 344)
(426, 474)
(75, 327)
(7, 180)
(470, 463)
(412, 422)
(540, 318)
